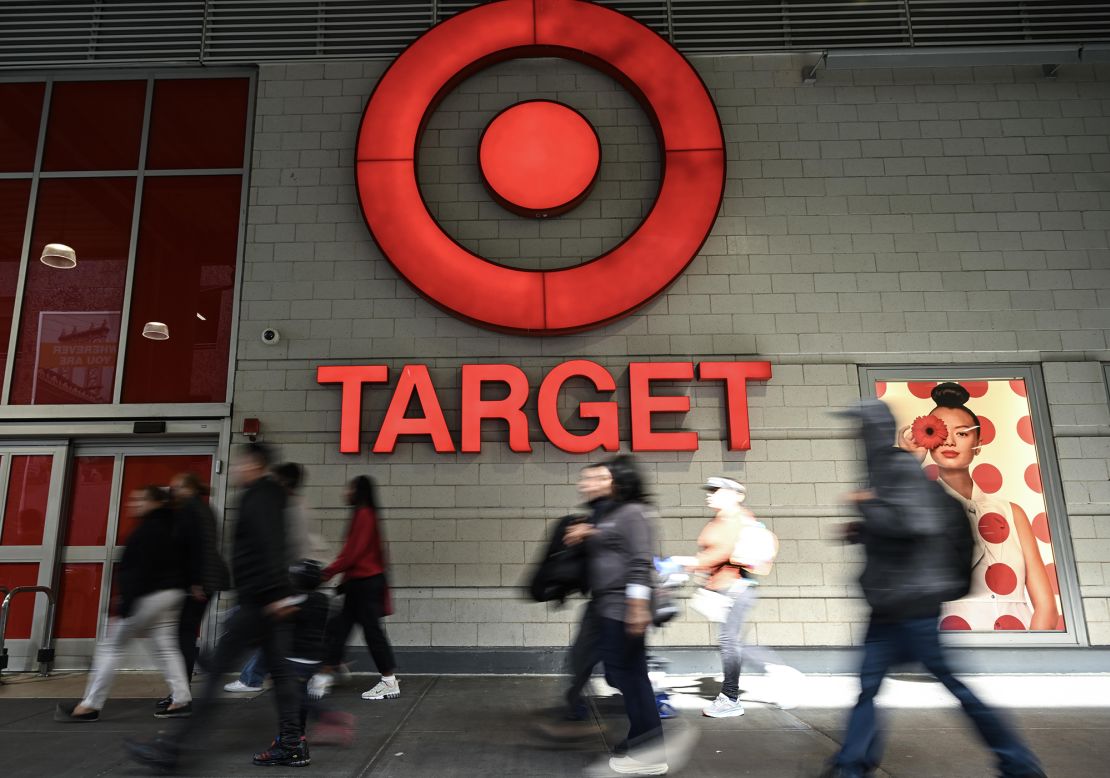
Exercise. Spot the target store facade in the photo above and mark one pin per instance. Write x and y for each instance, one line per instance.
(530, 235)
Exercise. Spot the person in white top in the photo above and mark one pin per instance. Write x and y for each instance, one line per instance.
(1010, 588)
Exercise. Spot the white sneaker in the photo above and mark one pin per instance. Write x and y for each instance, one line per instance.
(239, 687)
(626, 765)
(723, 708)
(319, 685)
(788, 685)
(385, 690)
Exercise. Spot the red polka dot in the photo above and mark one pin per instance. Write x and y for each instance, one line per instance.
(1040, 528)
(953, 623)
(1060, 626)
(1025, 429)
(986, 430)
(994, 528)
(1001, 578)
(1018, 385)
(1033, 477)
(880, 388)
(1050, 568)
(988, 478)
(1008, 622)
(932, 472)
(975, 388)
(922, 389)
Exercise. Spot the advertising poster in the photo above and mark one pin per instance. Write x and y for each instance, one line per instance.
(76, 358)
(976, 438)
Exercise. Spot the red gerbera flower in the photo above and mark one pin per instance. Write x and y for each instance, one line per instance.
(929, 432)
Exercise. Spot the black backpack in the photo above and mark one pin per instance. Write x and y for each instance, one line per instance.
(954, 576)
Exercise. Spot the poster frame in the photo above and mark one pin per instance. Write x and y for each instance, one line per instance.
(1075, 632)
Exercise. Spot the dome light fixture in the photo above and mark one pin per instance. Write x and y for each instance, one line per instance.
(59, 256)
(156, 330)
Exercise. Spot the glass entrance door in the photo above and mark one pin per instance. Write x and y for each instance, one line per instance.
(95, 530)
(62, 525)
(31, 488)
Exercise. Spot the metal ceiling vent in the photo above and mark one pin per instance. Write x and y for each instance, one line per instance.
(46, 33)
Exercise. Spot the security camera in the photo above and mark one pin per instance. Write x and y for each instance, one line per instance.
(270, 336)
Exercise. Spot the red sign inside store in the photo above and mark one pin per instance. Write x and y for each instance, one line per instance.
(414, 385)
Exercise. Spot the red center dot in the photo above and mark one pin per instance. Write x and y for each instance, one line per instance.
(539, 158)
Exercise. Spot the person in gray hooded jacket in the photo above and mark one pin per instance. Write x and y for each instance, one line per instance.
(918, 554)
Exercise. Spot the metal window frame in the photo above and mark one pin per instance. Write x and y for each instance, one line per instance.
(150, 75)
(1071, 605)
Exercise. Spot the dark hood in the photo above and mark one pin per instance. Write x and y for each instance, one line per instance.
(877, 431)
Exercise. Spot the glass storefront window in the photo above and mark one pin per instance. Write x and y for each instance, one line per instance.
(14, 195)
(25, 507)
(184, 278)
(78, 600)
(95, 125)
(13, 574)
(198, 123)
(19, 125)
(89, 501)
(70, 321)
(140, 471)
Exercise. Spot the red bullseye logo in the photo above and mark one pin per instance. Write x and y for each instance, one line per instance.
(540, 158)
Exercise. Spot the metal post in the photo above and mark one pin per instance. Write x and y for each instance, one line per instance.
(46, 652)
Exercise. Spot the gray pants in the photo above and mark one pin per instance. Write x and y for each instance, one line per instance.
(154, 615)
(731, 639)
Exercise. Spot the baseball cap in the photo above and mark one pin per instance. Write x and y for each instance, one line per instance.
(716, 482)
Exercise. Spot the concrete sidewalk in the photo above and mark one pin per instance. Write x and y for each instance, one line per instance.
(448, 726)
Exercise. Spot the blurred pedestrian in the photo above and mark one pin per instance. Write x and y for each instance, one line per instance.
(620, 548)
(366, 598)
(918, 555)
(151, 589)
(301, 543)
(206, 571)
(738, 584)
(565, 570)
(265, 599)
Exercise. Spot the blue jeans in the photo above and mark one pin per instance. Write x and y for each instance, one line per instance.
(254, 671)
(625, 659)
(893, 643)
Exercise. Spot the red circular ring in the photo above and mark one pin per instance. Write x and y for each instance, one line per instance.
(554, 301)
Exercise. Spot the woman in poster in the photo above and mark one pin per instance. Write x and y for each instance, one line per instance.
(1010, 588)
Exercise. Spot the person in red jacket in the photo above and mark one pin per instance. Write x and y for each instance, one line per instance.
(366, 595)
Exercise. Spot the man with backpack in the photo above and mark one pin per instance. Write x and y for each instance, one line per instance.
(918, 546)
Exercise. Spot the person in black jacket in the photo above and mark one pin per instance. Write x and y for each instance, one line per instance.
(206, 572)
(265, 598)
(151, 589)
(908, 539)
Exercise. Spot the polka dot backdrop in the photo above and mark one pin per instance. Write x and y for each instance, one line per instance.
(1006, 469)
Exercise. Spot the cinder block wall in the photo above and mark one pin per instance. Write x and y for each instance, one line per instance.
(878, 217)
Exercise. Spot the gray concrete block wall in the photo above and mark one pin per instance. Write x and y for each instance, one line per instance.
(879, 217)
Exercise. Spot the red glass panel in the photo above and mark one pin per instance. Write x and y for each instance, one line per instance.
(78, 601)
(157, 471)
(184, 278)
(198, 123)
(90, 496)
(25, 509)
(69, 327)
(23, 606)
(20, 115)
(95, 125)
(13, 217)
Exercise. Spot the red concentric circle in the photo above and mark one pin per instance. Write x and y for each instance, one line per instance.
(554, 301)
(539, 158)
